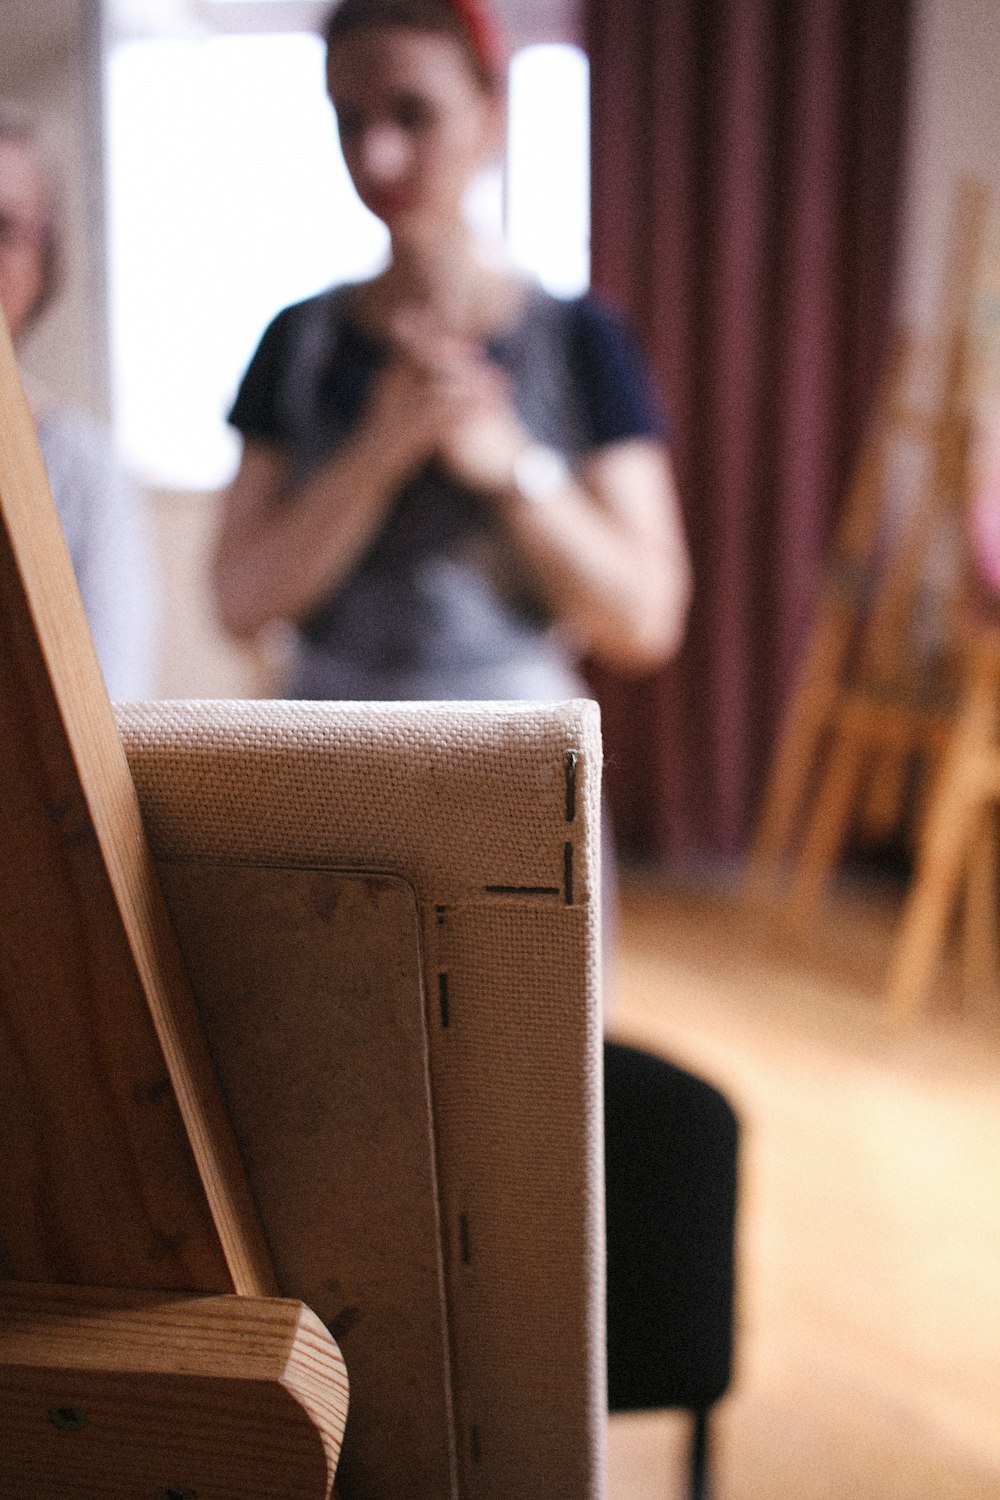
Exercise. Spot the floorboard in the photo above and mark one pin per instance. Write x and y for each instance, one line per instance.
(869, 1285)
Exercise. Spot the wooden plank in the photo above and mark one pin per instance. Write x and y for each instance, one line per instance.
(106, 1078)
(110, 1395)
(310, 988)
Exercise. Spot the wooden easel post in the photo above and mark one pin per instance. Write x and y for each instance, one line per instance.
(121, 1188)
(816, 694)
(864, 704)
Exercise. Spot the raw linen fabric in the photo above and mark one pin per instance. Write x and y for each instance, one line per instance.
(491, 812)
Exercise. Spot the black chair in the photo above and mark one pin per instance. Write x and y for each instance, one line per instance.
(671, 1145)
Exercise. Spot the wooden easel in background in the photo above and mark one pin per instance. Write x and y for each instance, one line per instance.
(868, 701)
(957, 853)
(143, 1347)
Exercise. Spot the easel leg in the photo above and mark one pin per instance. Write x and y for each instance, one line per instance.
(944, 851)
(980, 956)
(825, 834)
(798, 747)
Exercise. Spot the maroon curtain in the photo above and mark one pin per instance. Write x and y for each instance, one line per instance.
(747, 161)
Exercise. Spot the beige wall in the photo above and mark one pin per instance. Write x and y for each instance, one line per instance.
(955, 132)
(196, 661)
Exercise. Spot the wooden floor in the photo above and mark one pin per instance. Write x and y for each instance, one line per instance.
(869, 1340)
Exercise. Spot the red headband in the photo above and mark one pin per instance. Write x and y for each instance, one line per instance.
(480, 26)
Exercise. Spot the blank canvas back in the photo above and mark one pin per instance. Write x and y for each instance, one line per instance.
(389, 914)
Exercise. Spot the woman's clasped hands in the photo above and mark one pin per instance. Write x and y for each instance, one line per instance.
(439, 397)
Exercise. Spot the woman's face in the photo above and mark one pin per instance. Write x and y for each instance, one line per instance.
(22, 235)
(415, 125)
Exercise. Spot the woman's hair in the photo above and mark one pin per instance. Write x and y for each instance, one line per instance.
(470, 23)
(21, 128)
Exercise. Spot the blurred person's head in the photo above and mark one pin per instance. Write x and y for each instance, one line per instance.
(29, 240)
(417, 88)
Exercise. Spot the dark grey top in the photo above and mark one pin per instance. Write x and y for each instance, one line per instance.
(438, 606)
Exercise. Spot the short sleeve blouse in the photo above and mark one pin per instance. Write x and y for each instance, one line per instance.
(438, 606)
(616, 392)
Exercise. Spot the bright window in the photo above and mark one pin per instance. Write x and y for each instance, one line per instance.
(228, 199)
(548, 167)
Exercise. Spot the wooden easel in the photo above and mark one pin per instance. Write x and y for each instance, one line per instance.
(866, 701)
(143, 1347)
(957, 853)
(389, 918)
(957, 846)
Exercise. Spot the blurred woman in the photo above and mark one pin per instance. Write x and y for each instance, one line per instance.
(100, 515)
(453, 485)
